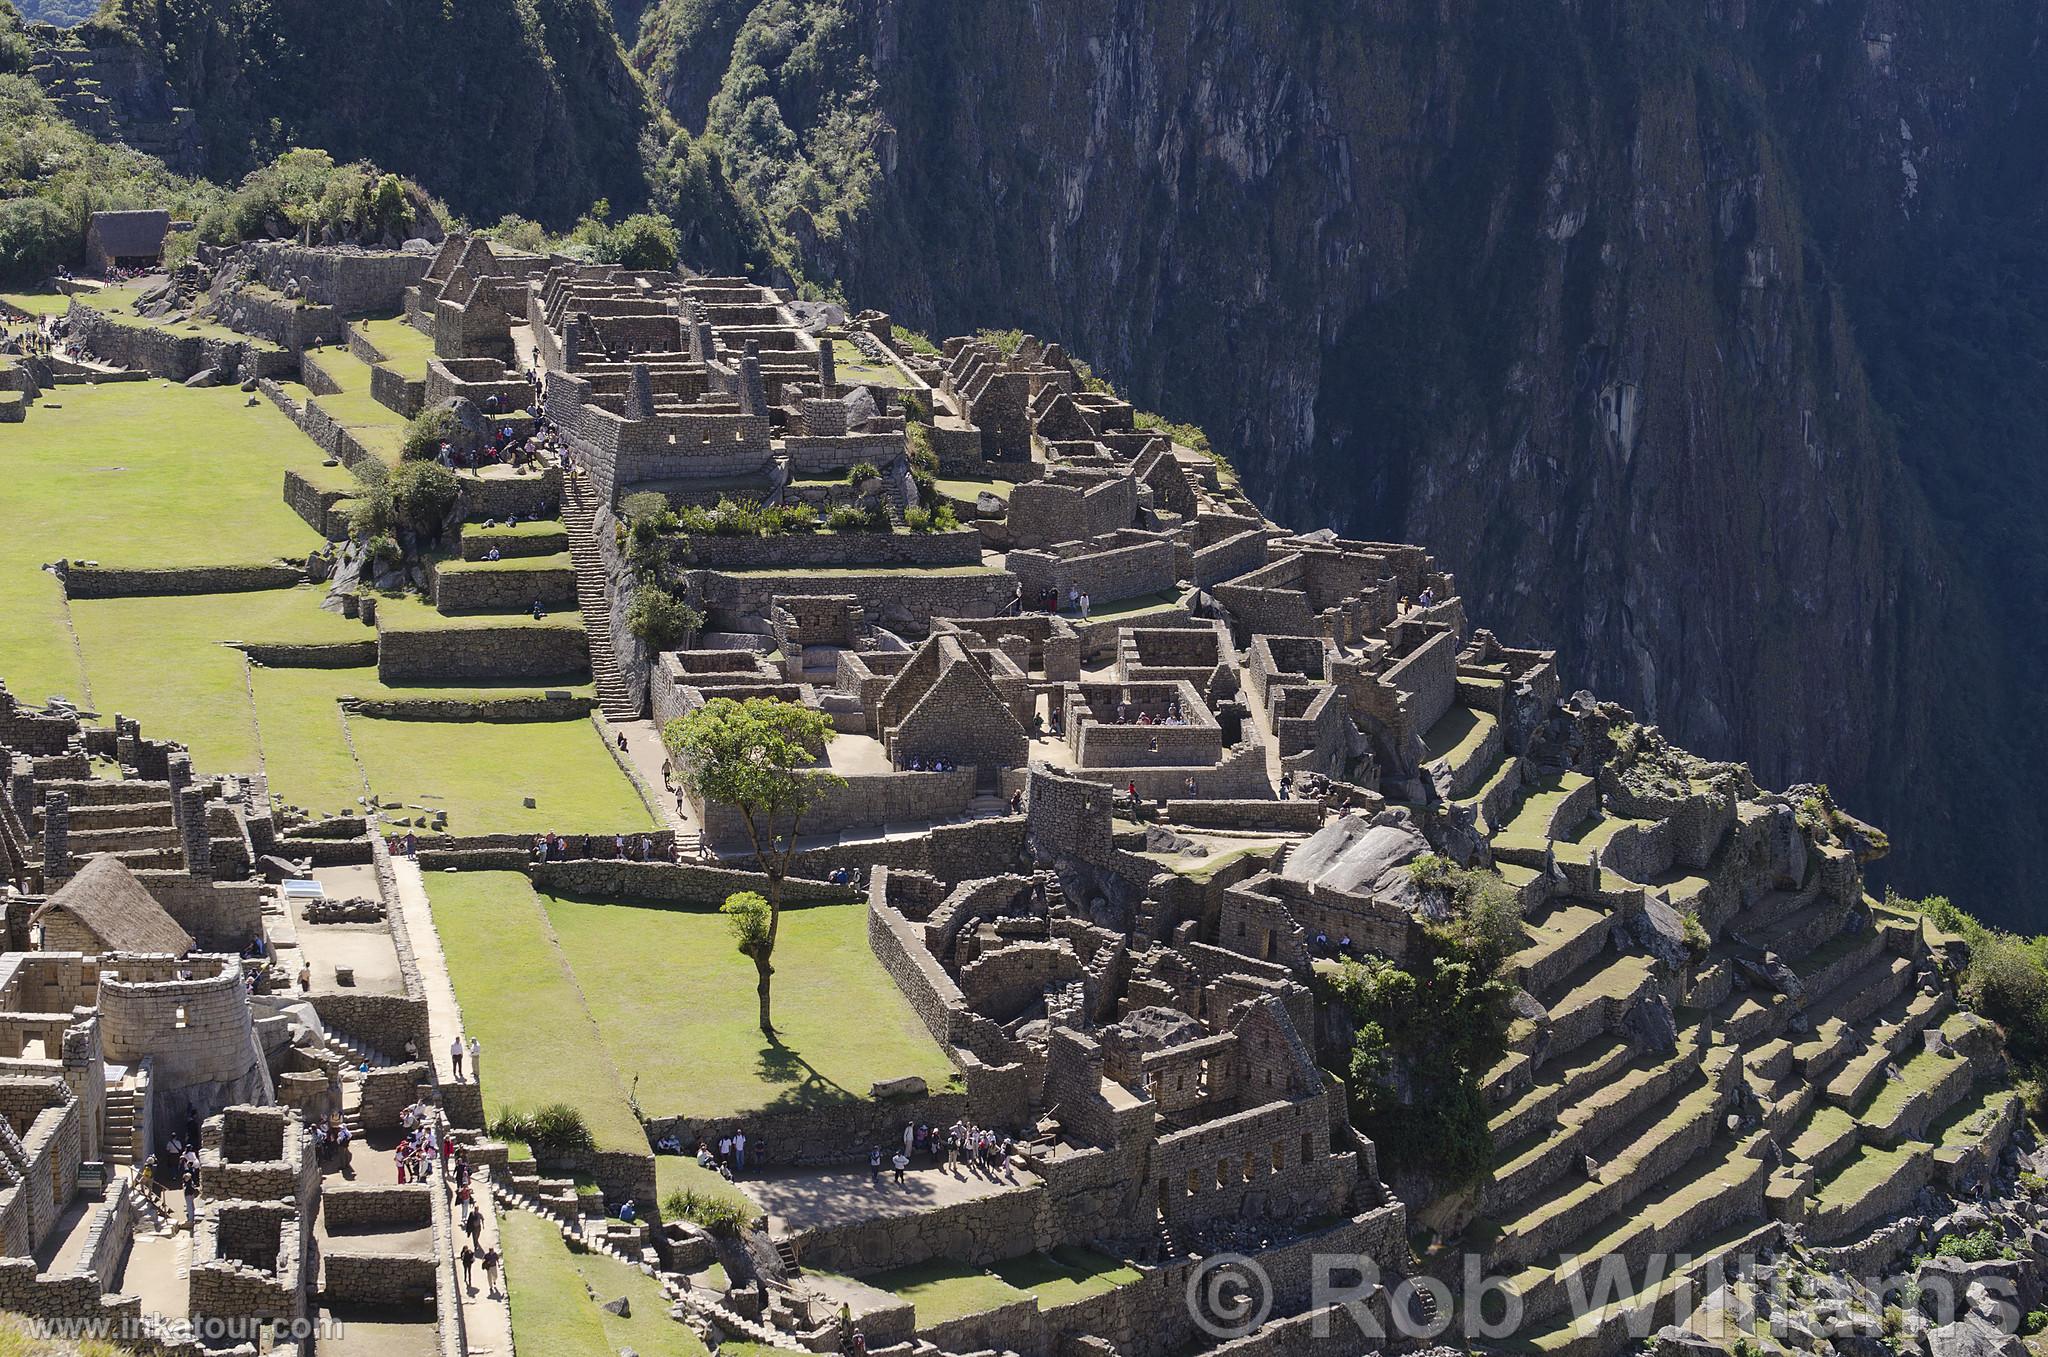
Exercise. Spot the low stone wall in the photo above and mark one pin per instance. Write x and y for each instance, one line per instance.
(534, 496)
(866, 800)
(839, 1132)
(395, 392)
(674, 884)
(511, 651)
(329, 655)
(836, 550)
(315, 505)
(350, 1206)
(504, 586)
(384, 1022)
(902, 599)
(390, 1089)
(548, 706)
(287, 323)
(164, 352)
(95, 581)
(379, 1278)
(978, 1232)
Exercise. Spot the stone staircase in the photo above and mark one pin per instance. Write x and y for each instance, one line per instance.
(358, 1053)
(579, 516)
(118, 1144)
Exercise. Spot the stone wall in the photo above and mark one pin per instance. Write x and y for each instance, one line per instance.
(351, 1206)
(352, 281)
(1106, 573)
(836, 550)
(378, 1278)
(1045, 512)
(865, 801)
(985, 1230)
(315, 505)
(221, 916)
(504, 586)
(673, 884)
(388, 1090)
(95, 581)
(164, 352)
(510, 651)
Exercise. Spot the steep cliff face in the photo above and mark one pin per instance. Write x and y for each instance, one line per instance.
(1578, 292)
(497, 107)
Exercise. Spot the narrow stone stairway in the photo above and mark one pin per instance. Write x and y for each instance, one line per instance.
(579, 517)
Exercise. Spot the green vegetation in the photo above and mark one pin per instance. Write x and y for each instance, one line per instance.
(552, 1129)
(2006, 980)
(481, 773)
(690, 1041)
(717, 1212)
(520, 998)
(539, 983)
(943, 1290)
(660, 620)
(555, 1298)
(855, 368)
(1425, 1035)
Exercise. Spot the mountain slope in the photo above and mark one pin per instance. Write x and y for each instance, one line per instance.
(1640, 314)
(495, 106)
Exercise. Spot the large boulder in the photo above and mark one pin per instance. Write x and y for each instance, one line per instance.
(1972, 1336)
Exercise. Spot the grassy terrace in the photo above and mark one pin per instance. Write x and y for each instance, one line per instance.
(943, 1290)
(117, 303)
(692, 1041)
(144, 474)
(537, 977)
(966, 488)
(38, 303)
(413, 614)
(377, 427)
(853, 367)
(1458, 735)
(555, 1295)
(481, 774)
(405, 349)
(777, 572)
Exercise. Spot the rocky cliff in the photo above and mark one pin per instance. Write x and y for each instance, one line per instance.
(497, 107)
(1701, 340)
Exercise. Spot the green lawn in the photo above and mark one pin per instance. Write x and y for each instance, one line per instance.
(164, 661)
(519, 998)
(480, 773)
(557, 1298)
(1066, 1275)
(414, 614)
(405, 349)
(38, 303)
(853, 367)
(943, 1290)
(692, 1038)
(134, 474)
(674, 1172)
(966, 488)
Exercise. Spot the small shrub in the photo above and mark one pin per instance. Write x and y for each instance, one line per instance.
(862, 471)
(423, 494)
(425, 434)
(720, 1215)
(918, 435)
(1696, 940)
(941, 519)
(2035, 1321)
(659, 620)
(917, 341)
(646, 506)
(846, 518)
(1979, 1246)
(799, 518)
(554, 1129)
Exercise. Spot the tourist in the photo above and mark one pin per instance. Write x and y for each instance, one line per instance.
(476, 1060)
(725, 1151)
(491, 1270)
(538, 611)
(1428, 597)
(455, 1054)
(1017, 803)
(474, 1224)
(493, 554)
(190, 1187)
(468, 1256)
(739, 1151)
(1085, 603)
(306, 978)
(626, 1211)
(874, 1163)
(901, 1161)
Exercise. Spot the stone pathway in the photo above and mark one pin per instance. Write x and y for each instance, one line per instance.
(806, 1199)
(444, 1017)
(644, 751)
(487, 1323)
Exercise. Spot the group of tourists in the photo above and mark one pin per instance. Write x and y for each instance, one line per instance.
(727, 1158)
(331, 1138)
(953, 1148)
(553, 847)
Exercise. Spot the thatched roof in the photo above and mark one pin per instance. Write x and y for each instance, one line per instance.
(111, 904)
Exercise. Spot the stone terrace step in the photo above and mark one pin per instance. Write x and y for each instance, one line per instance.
(1588, 1000)
(1929, 1083)
(1723, 1188)
(1617, 1326)
(1632, 1162)
(1569, 934)
(1643, 1086)
(1871, 1184)
(1568, 1080)
(1902, 1022)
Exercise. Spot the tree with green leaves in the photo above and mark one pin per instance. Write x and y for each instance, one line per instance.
(760, 757)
